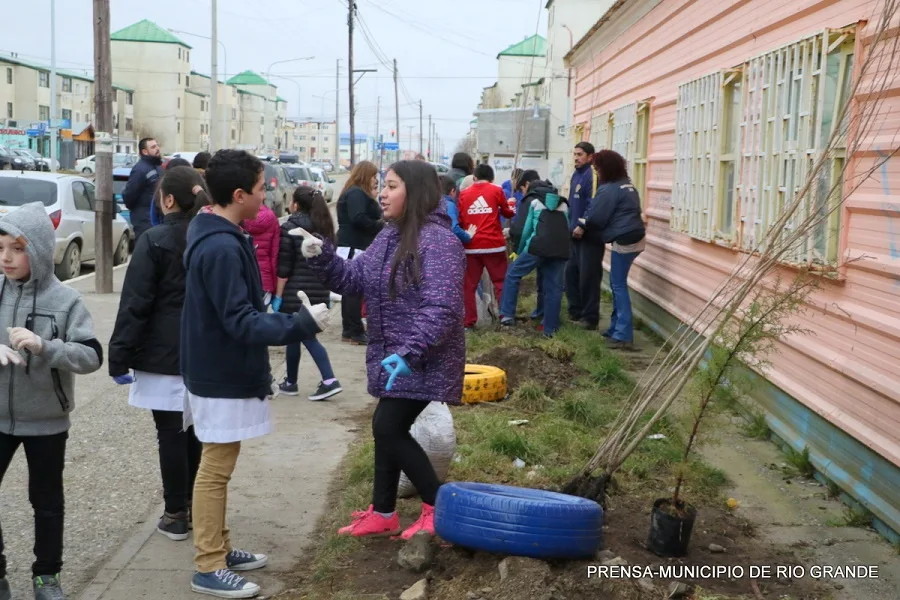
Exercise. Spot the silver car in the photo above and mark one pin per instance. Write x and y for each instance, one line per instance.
(69, 202)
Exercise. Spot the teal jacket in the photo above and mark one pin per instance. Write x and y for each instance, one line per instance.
(550, 202)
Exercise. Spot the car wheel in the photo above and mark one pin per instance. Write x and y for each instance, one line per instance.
(7, 167)
(86, 171)
(71, 263)
(121, 255)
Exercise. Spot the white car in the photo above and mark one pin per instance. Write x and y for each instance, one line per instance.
(322, 182)
(88, 165)
(69, 201)
(188, 156)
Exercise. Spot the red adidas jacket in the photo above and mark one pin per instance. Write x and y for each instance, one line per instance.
(481, 205)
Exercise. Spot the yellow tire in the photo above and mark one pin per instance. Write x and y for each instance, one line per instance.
(483, 384)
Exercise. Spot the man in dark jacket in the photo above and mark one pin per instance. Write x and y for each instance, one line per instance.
(584, 271)
(141, 186)
(225, 338)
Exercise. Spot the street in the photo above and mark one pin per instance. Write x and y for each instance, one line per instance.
(113, 488)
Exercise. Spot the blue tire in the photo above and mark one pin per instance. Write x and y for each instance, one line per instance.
(518, 521)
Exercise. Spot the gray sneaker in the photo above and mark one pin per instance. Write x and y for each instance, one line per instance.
(48, 587)
(5, 592)
(323, 392)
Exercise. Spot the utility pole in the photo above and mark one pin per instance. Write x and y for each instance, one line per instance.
(53, 153)
(411, 128)
(352, 8)
(103, 101)
(214, 83)
(428, 156)
(396, 110)
(337, 117)
(378, 137)
(421, 127)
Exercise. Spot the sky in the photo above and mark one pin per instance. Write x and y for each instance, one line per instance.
(446, 51)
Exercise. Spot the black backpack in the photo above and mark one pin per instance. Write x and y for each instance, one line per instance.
(551, 236)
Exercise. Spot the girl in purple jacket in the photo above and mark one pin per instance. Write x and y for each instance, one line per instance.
(412, 279)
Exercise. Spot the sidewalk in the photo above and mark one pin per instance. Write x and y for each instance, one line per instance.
(276, 495)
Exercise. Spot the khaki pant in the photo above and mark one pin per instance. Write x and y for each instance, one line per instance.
(212, 541)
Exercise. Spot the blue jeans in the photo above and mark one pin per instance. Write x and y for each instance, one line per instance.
(621, 326)
(319, 355)
(551, 281)
(539, 309)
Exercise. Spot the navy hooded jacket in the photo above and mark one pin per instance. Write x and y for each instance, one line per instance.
(615, 214)
(139, 191)
(225, 329)
(581, 190)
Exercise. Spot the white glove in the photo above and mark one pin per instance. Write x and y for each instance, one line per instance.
(319, 312)
(23, 339)
(9, 356)
(312, 246)
(471, 230)
(506, 233)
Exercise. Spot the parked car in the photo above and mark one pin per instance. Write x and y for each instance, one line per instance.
(441, 169)
(10, 160)
(69, 202)
(279, 188)
(322, 182)
(30, 165)
(88, 165)
(41, 163)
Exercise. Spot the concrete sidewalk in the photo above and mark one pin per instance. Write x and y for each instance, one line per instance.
(112, 478)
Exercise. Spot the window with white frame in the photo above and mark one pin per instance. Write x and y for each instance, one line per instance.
(623, 121)
(748, 138)
(67, 84)
(601, 131)
(696, 171)
(641, 148)
(44, 79)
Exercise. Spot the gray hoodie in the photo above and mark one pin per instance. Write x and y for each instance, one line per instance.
(35, 399)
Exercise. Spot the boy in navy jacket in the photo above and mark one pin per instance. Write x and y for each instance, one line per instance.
(225, 335)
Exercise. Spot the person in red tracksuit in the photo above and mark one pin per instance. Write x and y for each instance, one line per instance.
(481, 205)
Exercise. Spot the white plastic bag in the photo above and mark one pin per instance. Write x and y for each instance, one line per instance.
(433, 430)
(485, 302)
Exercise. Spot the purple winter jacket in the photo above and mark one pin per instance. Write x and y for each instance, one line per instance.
(423, 324)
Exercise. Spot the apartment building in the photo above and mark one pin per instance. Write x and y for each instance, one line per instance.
(314, 140)
(260, 99)
(229, 103)
(123, 120)
(25, 90)
(156, 65)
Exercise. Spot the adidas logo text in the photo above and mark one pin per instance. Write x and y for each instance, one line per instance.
(480, 207)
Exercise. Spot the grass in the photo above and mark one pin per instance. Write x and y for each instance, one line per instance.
(853, 517)
(757, 428)
(800, 462)
(834, 490)
(560, 435)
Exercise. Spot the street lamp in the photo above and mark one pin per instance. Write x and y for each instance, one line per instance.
(225, 137)
(322, 98)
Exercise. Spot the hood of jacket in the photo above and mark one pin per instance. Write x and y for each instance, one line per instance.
(31, 223)
(545, 192)
(262, 223)
(205, 225)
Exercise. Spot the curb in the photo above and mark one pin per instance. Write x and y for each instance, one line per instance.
(89, 275)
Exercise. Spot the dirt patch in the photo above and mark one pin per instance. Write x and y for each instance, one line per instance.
(522, 364)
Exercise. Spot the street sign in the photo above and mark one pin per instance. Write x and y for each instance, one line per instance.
(390, 146)
(33, 132)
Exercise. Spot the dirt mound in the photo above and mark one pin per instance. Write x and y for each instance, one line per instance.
(522, 364)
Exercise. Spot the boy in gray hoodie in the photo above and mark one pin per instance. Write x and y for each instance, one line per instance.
(46, 337)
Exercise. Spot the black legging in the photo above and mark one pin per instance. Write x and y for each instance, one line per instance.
(396, 451)
(179, 458)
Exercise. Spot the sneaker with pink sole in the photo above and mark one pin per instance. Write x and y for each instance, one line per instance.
(368, 523)
(425, 522)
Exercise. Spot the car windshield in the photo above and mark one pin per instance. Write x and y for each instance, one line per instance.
(17, 191)
(123, 160)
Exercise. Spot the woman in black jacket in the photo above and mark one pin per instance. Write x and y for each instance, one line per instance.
(310, 212)
(146, 339)
(359, 221)
(615, 218)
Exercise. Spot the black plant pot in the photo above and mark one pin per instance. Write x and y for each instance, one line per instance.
(670, 534)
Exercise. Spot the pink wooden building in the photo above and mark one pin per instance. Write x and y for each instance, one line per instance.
(720, 106)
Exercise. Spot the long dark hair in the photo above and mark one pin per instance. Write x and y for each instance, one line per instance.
(180, 183)
(311, 201)
(423, 196)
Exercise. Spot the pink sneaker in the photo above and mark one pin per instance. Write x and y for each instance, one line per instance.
(425, 522)
(368, 523)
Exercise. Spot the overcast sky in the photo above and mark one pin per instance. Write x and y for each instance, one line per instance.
(446, 51)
